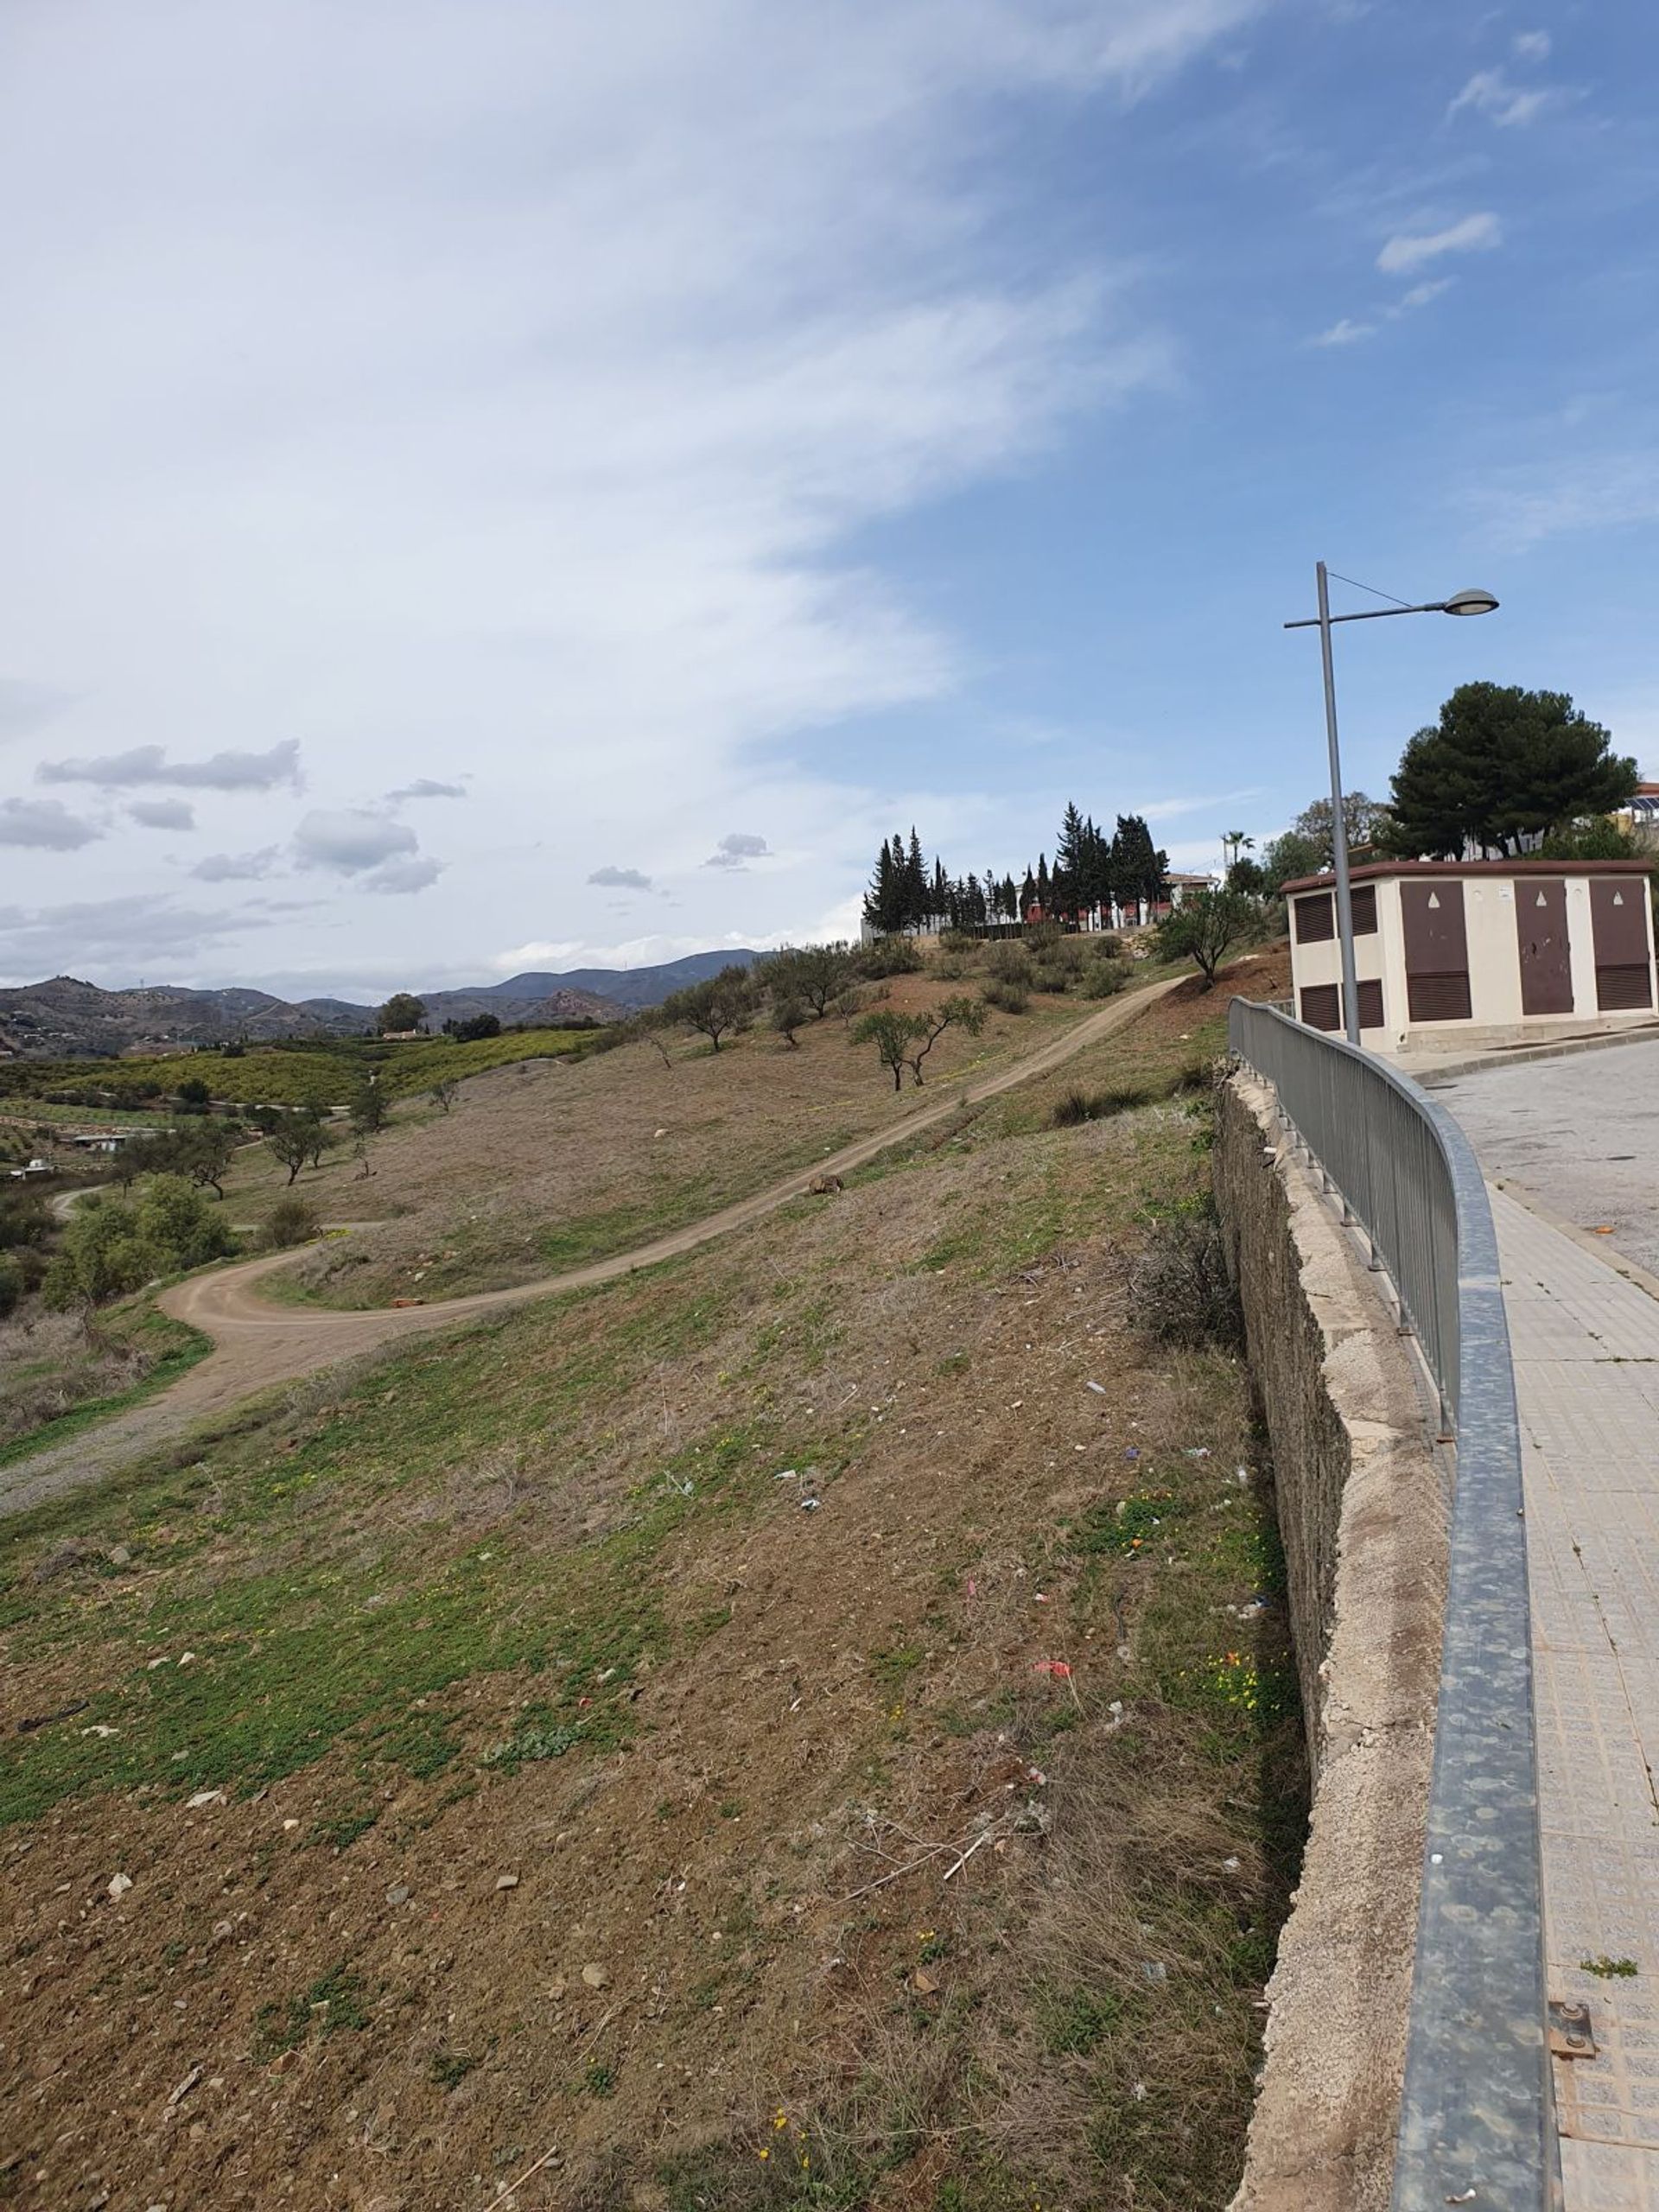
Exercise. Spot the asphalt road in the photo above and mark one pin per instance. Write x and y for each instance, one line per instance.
(1580, 1134)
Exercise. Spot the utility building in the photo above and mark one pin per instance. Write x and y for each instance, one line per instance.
(1473, 953)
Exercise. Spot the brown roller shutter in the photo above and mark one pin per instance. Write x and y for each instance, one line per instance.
(1619, 921)
(1322, 1006)
(1362, 898)
(1437, 950)
(1316, 919)
(1370, 1004)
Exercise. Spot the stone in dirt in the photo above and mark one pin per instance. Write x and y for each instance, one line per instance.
(119, 1555)
(398, 1893)
(596, 1977)
(119, 1884)
(506, 1881)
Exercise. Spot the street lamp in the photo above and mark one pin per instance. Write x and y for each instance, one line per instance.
(1461, 602)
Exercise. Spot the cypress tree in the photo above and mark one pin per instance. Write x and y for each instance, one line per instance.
(915, 882)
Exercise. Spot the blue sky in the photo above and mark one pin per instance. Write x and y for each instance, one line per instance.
(459, 450)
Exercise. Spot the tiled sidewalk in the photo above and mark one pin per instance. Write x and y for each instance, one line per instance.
(1586, 1345)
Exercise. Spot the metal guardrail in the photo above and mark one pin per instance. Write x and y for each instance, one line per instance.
(1477, 2119)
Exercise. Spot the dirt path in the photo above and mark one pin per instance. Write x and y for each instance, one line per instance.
(258, 1343)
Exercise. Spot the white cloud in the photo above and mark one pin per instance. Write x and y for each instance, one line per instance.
(554, 956)
(424, 787)
(1346, 333)
(1531, 46)
(149, 764)
(1409, 250)
(46, 823)
(737, 850)
(619, 879)
(238, 868)
(521, 390)
(162, 814)
(1490, 92)
(1522, 506)
(350, 839)
(122, 937)
(397, 877)
(1421, 294)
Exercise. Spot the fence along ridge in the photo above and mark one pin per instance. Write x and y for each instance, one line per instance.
(1477, 2121)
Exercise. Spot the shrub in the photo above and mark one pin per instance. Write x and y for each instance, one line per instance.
(1009, 964)
(958, 941)
(1181, 1292)
(1011, 998)
(111, 1247)
(1077, 1105)
(1103, 979)
(888, 956)
(12, 1285)
(292, 1220)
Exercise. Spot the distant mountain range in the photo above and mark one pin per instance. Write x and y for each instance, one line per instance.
(65, 1019)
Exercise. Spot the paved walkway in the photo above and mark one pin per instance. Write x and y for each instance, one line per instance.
(1581, 1131)
(1586, 1345)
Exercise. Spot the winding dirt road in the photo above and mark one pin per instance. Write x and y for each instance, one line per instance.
(258, 1343)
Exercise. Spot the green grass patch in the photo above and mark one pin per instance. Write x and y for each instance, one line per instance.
(334, 2003)
(323, 1606)
(172, 1348)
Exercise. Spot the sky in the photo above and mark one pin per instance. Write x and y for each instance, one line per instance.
(491, 484)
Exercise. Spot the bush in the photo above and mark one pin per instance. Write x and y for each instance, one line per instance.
(888, 956)
(1011, 998)
(1010, 963)
(1181, 1292)
(292, 1220)
(959, 941)
(1103, 979)
(111, 1247)
(12, 1285)
(1078, 1105)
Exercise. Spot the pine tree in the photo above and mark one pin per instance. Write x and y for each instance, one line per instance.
(1044, 888)
(1502, 766)
(1028, 892)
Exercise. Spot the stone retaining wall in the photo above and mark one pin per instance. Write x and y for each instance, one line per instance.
(1363, 1512)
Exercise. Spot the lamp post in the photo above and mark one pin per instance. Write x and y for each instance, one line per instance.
(1461, 602)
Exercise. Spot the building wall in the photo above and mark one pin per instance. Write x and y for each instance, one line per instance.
(1494, 965)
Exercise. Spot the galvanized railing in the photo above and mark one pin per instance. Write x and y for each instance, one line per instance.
(1476, 2123)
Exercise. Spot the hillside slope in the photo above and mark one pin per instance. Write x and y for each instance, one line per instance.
(809, 1724)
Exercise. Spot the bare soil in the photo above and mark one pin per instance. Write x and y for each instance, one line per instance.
(553, 1162)
(800, 1870)
(259, 1344)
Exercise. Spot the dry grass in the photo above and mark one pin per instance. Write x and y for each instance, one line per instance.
(552, 1163)
(533, 1600)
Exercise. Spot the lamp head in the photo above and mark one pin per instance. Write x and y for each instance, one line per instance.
(1470, 602)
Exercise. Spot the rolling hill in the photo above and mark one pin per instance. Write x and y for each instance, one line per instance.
(65, 1018)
